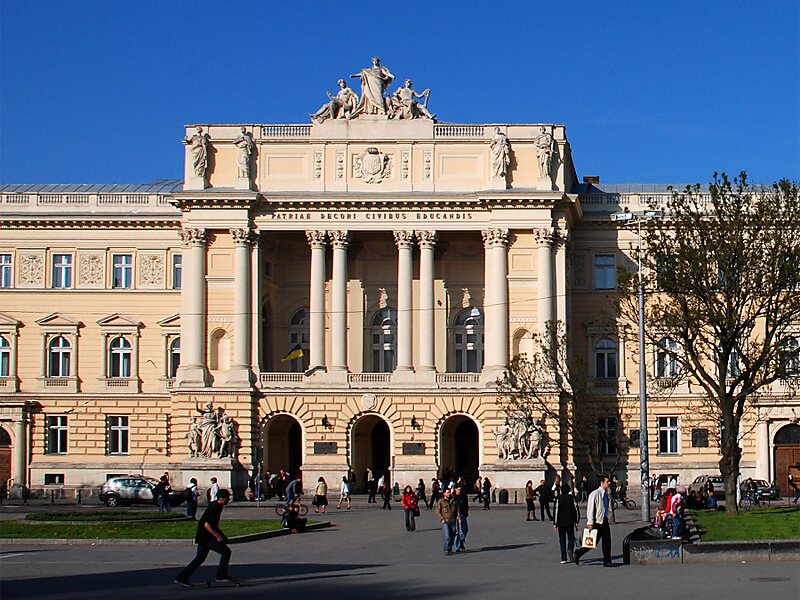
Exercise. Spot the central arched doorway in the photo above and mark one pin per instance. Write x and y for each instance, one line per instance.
(787, 456)
(282, 441)
(371, 441)
(459, 454)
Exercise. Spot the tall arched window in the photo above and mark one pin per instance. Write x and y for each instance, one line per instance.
(5, 357)
(174, 357)
(58, 359)
(605, 359)
(119, 358)
(666, 358)
(468, 340)
(298, 335)
(384, 341)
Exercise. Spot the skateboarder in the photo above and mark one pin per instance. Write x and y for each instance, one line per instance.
(210, 537)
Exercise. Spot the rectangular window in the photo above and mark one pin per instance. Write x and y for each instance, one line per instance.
(177, 271)
(123, 271)
(54, 479)
(607, 436)
(118, 435)
(62, 271)
(605, 272)
(5, 271)
(57, 435)
(699, 438)
(668, 435)
(635, 438)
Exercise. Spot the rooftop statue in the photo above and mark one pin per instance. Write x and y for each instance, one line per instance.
(405, 106)
(198, 144)
(341, 106)
(374, 82)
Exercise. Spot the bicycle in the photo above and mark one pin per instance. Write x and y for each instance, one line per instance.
(626, 502)
(280, 509)
(750, 499)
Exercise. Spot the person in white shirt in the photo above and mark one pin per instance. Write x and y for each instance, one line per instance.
(598, 509)
(213, 491)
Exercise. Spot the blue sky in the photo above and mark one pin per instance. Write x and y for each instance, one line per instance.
(654, 92)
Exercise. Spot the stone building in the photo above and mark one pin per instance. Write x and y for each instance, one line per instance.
(143, 328)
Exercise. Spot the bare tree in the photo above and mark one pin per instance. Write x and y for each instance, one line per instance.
(722, 272)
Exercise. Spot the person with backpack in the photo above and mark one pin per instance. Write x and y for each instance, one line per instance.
(566, 516)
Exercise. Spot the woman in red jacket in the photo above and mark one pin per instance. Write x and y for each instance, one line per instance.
(410, 508)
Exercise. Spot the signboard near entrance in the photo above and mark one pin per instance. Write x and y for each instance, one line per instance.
(325, 448)
(414, 448)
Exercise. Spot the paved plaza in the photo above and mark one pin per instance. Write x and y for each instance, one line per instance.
(368, 554)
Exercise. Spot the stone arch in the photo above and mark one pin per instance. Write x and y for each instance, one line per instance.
(370, 443)
(220, 350)
(282, 441)
(522, 343)
(459, 439)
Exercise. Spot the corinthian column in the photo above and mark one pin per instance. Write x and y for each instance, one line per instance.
(427, 241)
(241, 374)
(339, 240)
(545, 292)
(20, 465)
(496, 298)
(405, 274)
(316, 326)
(192, 371)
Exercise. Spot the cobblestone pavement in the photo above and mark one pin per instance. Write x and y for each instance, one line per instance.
(368, 554)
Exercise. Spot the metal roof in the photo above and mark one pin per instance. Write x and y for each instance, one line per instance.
(159, 186)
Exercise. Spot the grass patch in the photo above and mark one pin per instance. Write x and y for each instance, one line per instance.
(128, 531)
(104, 515)
(781, 523)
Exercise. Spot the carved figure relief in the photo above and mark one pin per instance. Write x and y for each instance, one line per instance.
(30, 269)
(91, 269)
(151, 269)
(215, 436)
(521, 437)
(372, 166)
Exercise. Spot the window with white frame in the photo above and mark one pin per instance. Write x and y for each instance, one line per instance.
(57, 434)
(6, 274)
(790, 357)
(122, 271)
(468, 340)
(5, 357)
(119, 358)
(177, 271)
(607, 436)
(174, 357)
(605, 272)
(666, 358)
(62, 271)
(118, 434)
(59, 353)
(605, 359)
(668, 435)
(298, 335)
(384, 341)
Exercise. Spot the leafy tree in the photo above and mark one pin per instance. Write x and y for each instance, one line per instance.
(722, 274)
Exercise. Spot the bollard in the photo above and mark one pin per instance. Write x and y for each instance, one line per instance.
(79, 496)
(515, 496)
(52, 497)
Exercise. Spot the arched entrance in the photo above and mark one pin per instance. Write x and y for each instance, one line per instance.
(787, 456)
(371, 449)
(459, 449)
(282, 441)
(5, 458)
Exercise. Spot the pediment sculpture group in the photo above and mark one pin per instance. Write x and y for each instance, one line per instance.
(375, 81)
(215, 436)
(522, 437)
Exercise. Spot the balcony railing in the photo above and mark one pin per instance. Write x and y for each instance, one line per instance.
(71, 202)
(369, 378)
(267, 379)
(457, 378)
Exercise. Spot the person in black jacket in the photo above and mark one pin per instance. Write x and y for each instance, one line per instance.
(542, 492)
(565, 522)
(210, 537)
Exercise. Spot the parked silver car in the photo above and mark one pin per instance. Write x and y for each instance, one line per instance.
(123, 490)
(716, 480)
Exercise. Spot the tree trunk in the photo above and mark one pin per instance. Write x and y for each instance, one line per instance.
(729, 467)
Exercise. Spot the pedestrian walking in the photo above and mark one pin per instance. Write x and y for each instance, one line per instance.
(566, 516)
(320, 500)
(461, 503)
(447, 517)
(209, 537)
(487, 493)
(794, 488)
(410, 503)
(372, 487)
(583, 489)
(597, 513)
(386, 494)
(421, 497)
(435, 493)
(344, 495)
(530, 507)
(213, 490)
(555, 490)
(161, 494)
(542, 492)
(677, 509)
(478, 490)
(192, 494)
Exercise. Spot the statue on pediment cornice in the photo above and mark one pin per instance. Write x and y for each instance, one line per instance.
(341, 106)
(374, 82)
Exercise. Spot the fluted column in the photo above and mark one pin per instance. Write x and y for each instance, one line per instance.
(241, 374)
(19, 466)
(546, 292)
(192, 371)
(316, 328)
(339, 240)
(762, 450)
(427, 241)
(496, 294)
(560, 273)
(405, 275)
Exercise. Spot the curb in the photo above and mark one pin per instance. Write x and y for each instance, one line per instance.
(242, 539)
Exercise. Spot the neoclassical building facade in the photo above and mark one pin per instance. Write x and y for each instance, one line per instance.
(325, 297)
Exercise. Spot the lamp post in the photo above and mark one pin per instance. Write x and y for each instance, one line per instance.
(638, 217)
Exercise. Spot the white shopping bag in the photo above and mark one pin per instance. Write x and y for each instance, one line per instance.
(589, 538)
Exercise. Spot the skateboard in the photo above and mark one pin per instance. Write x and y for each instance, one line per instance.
(214, 583)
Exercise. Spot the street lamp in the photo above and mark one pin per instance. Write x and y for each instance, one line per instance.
(637, 217)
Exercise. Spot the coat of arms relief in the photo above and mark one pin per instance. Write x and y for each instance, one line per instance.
(372, 165)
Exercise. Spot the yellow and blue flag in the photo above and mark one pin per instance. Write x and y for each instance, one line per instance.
(294, 352)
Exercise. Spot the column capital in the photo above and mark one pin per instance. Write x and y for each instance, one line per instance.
(340, 238)
(427, 239)
(317, 238)
(193, 236)
(545, 236)
(404, 238)
(493, 238)
(243, 236)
